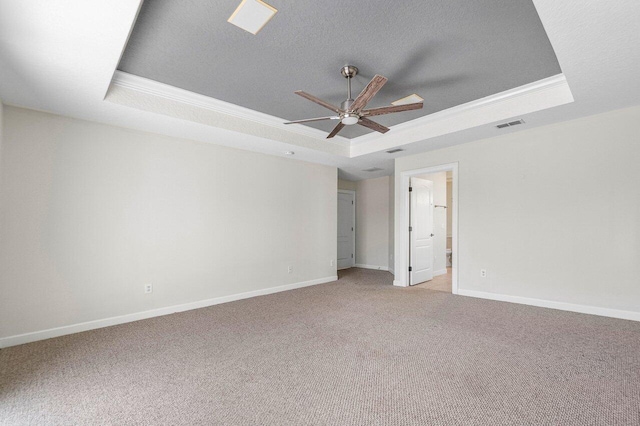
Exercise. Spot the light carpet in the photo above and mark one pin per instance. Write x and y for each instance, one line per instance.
(355, 352)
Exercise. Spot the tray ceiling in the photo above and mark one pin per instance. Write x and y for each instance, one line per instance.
(449, 53)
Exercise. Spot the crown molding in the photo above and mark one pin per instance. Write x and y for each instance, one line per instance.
(532, 97)
(536, 96)
(166, 91)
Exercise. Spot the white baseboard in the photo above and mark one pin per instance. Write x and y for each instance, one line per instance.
(379, 268)
(584, 309)
(440, 272)
(392, 271)
(20, 339)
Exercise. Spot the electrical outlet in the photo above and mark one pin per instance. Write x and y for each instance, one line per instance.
(148, 288)
(331, 262)
(483, 273)
(289, 269)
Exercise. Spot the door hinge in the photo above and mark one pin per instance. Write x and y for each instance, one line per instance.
(352, 255)
(410, 228)
(410, 189)
(352, 229)
(409, 268)
(351, 201)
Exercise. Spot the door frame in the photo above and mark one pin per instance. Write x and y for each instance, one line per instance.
(402, 230)
(353, 248)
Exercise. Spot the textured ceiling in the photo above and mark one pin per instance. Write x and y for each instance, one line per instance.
(447, 52)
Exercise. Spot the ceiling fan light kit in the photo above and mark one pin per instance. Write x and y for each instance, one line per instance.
(349, 119)
(351, 111)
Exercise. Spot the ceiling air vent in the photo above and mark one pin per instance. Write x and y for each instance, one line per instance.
(394, 150)
(509, 124)
(372, 169)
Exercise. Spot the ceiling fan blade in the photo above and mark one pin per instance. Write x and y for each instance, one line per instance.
(335, 130)
(391, 109)
(313, 119)
(372, 125)
(368, 92)
(318, 101)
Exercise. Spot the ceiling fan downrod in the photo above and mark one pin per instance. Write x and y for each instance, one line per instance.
(348, 117)
(348, 71)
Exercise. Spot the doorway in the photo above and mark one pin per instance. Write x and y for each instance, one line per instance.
(346, 228)
(425, 248)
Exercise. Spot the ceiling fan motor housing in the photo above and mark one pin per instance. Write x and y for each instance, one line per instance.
(346, 105)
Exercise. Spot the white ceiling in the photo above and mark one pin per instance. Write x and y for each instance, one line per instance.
(60, 56)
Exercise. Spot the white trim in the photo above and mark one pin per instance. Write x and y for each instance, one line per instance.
(122, 49)
(539, 95)
(106, 322)
(166, 91)
(353, 248)
(379, 268)
(563, 306)
(402, 238)
(440, 272)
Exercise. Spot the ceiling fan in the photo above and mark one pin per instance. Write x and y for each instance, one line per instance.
(352, 111)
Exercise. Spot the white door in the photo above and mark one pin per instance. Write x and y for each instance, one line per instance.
(346, 230)
(421, 231)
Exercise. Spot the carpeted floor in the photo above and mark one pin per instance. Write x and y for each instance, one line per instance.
(355, 352)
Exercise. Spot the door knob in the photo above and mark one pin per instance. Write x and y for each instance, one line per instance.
(432, 235)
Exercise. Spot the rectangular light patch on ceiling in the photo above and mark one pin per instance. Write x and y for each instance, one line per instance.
(252, 15)
(411, 99)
